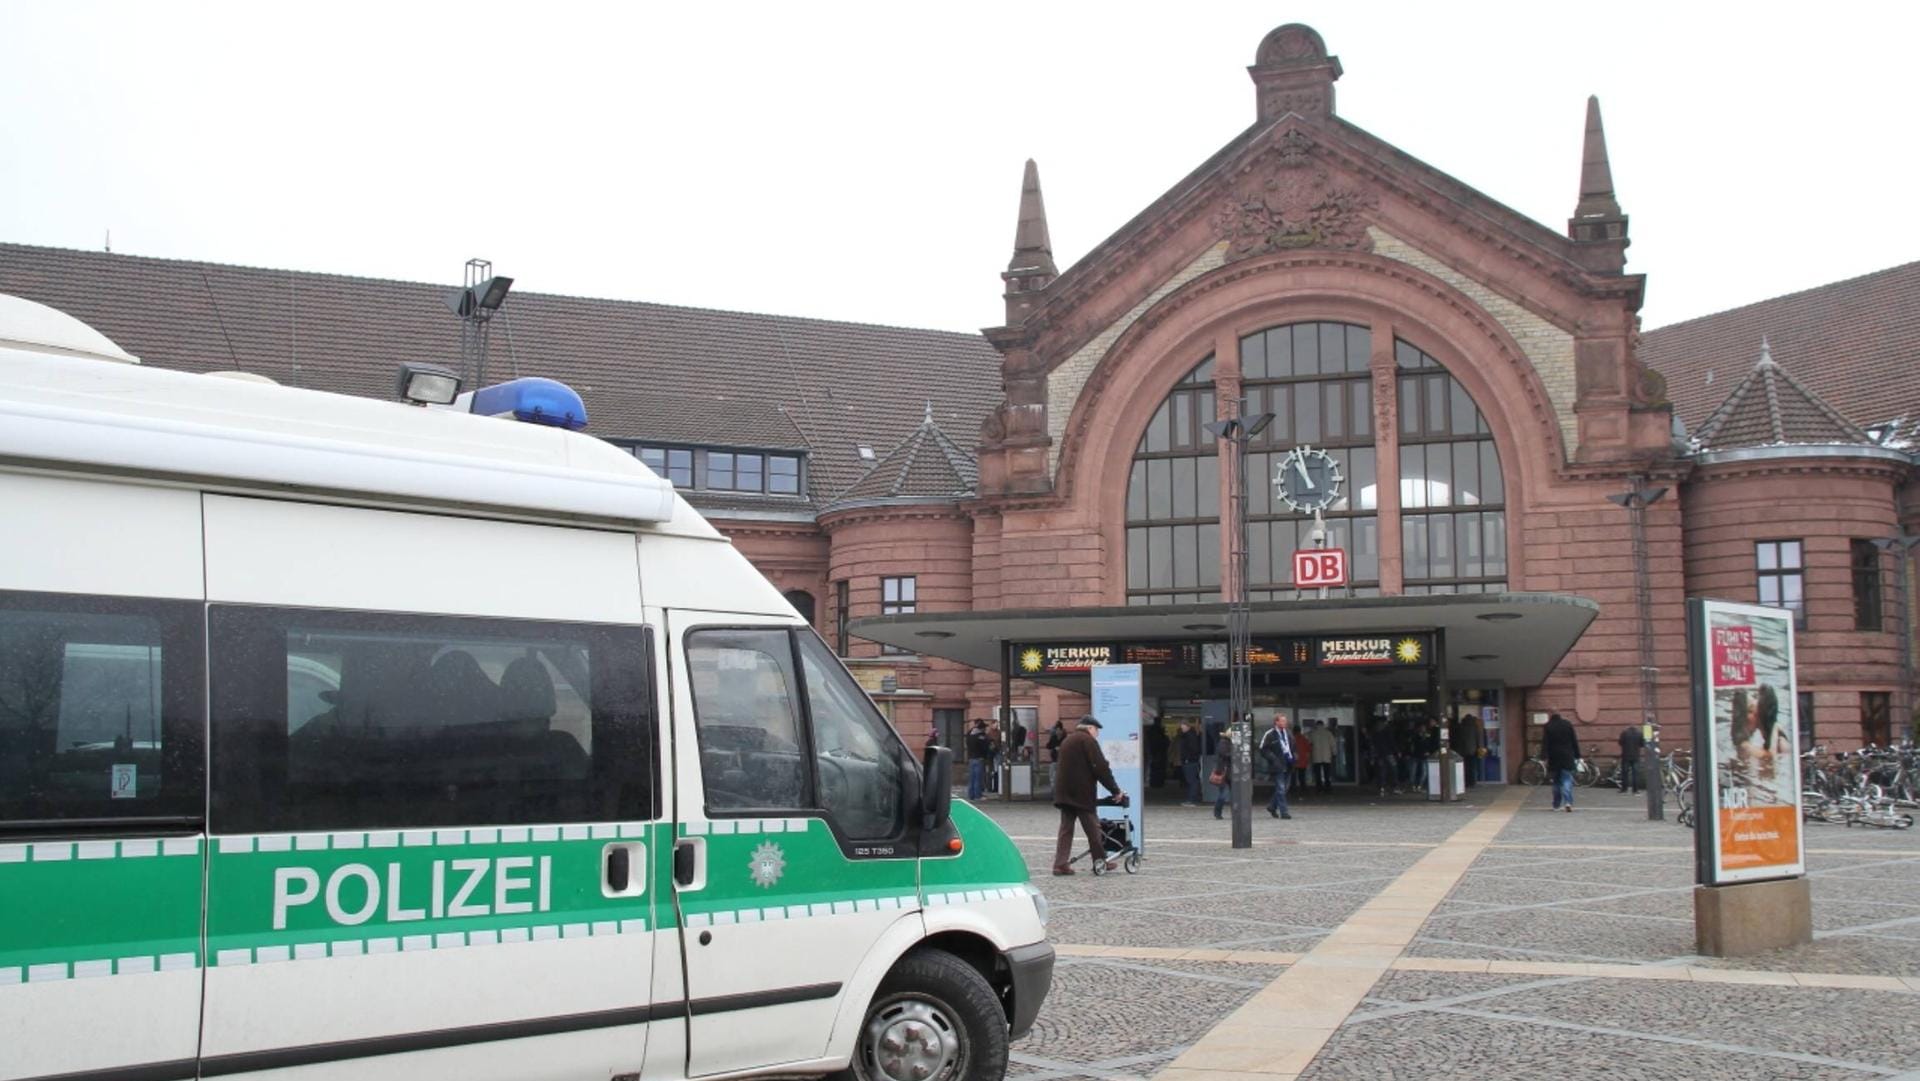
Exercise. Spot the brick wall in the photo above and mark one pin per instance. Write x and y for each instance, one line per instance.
(934, 546)
(1825, 504)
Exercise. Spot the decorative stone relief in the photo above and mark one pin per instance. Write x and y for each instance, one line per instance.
(1295, 205)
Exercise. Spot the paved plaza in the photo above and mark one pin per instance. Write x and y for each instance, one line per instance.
(1493, 938)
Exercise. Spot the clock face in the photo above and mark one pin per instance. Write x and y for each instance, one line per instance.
(1308, 480)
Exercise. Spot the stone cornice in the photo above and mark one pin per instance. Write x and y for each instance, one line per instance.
(1775, 461)
(952, 509)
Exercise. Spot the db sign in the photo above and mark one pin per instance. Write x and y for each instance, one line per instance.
(1314, 568)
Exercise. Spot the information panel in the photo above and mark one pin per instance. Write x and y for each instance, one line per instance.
(1746, 740)
(1116, 702)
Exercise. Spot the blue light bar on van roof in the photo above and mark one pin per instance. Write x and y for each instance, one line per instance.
(533, 400)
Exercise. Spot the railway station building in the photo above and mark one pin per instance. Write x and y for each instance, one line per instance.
(1529, 486)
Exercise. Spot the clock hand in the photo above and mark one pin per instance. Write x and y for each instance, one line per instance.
(1300, 467)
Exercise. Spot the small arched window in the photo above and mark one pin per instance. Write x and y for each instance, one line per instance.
(802, 602)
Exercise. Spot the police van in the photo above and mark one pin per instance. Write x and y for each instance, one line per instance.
(343, 738)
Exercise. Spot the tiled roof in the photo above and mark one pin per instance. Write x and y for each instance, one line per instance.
(926, 464)
(1770, 407)
(646, 371)
(1855, 344)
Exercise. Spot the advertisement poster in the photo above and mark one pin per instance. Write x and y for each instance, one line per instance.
(1746, 740)
(1116, 701)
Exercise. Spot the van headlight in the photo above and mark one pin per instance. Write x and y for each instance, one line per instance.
(1040, 907)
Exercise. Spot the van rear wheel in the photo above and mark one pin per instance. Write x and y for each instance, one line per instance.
(935, 1018)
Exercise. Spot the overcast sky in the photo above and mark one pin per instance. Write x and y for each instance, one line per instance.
(863, 161)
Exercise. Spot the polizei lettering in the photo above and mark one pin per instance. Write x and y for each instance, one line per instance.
(355, 893)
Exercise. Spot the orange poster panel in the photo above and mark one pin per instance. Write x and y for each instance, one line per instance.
(1758, 837)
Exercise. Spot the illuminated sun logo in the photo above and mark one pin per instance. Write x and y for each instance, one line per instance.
(1408, 651)
(1031, 661)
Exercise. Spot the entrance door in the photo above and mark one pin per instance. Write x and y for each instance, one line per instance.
(793, 857)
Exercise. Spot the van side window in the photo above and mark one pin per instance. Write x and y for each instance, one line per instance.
(100, 703)
(856, 753)
(747, 718)
(358, 720)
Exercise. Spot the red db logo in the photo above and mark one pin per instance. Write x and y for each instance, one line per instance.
(1314, 568)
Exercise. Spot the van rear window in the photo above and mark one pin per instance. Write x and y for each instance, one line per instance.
(99, 704)
(351, 720)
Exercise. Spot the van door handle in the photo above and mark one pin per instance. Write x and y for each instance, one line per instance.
(690, 863)
(622, 866)
(619, 869)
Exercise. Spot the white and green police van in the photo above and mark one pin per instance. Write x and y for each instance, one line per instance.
(349, 739)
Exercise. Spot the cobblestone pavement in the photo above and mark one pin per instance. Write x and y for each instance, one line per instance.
(1602, 885)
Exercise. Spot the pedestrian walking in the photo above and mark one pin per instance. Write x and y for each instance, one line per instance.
(1467, 740)
(979, 758)
(1302, 756)
(1075, 773)
(1380, 750)
(1187, 746)
(1277, 748)
(1633, 744)
(1325, 747)
(1562, 750)
(1054, 736)
(1222, 772)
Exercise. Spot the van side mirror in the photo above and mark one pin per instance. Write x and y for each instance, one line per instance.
(936, 787)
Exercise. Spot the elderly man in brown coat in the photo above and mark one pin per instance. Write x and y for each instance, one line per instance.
(1080, 764)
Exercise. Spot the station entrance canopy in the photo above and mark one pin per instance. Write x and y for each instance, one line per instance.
(1510, 639)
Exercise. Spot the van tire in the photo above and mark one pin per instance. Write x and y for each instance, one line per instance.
(932, 994)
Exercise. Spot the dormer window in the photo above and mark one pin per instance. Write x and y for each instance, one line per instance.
(716, 469)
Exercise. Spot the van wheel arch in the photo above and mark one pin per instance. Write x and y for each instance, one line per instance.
(965, 981)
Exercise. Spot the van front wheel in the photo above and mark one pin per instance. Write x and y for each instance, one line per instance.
(935, 1018)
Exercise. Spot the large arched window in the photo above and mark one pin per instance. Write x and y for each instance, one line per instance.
(1316, 381)
(1173, 500)
(1453, 518)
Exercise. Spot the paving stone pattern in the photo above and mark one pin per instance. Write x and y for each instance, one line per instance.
(1600, 885)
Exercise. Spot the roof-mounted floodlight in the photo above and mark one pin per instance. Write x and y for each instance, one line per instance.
(428, 384)
(534, 401)
(480, 297)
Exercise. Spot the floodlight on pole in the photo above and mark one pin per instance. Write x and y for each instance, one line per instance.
(474, 302)
(1636, 499)
(1902, 549)
(1237, 431)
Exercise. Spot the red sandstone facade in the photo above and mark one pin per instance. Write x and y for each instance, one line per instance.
(1306, 218)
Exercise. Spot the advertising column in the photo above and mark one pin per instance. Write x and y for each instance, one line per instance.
(1116, 702)
(1746, 779)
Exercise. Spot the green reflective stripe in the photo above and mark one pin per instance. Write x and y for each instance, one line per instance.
(279, 897)
(986, 855)
(75, 909)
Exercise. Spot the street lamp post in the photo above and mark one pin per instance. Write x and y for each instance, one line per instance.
(1902, 549)
(1235, 431)
(1636, 499)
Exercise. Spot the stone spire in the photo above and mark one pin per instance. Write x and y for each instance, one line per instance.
(1598, 227)
(1031, 268)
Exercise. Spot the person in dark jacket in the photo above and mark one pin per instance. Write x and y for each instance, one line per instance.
(1633, 743)
(1187, 746)
(1054, 737)
(1080, 765)
(979, 758)
(1561, 748)
(1466, 740)
(1277, 748)
(1157, 745)
(1222, 765)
